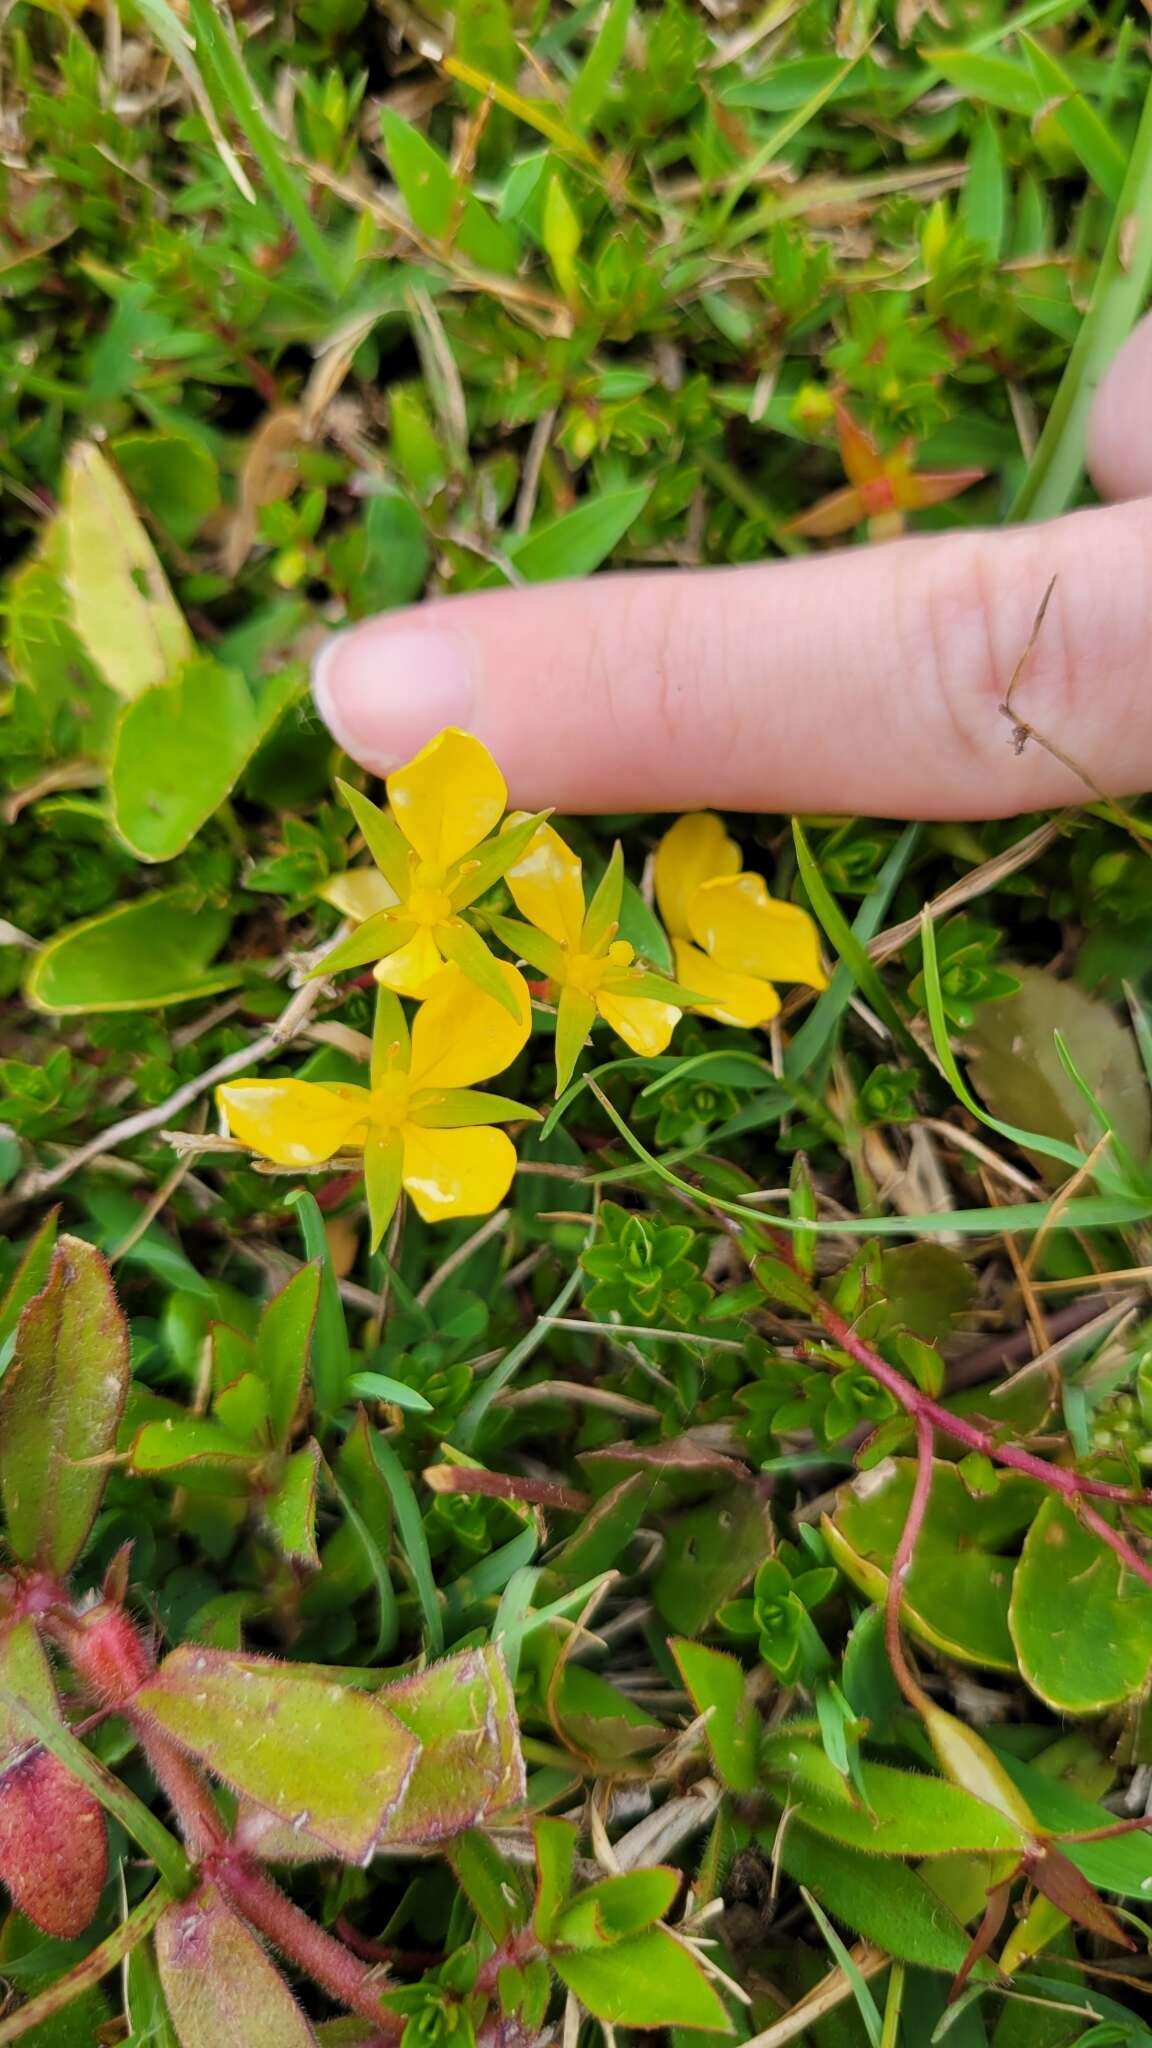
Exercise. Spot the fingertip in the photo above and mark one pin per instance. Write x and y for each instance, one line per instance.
(386, 687)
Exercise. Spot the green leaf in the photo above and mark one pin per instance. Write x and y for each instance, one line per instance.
(28, 1279)
(555, 1842)
(710, 1552)
(617, 1908)
(988, 80)
(60, 1406)
(410, 1526)
(233, 93)
(180, 748)
(594, 80)
(442, 208)
(887, 1811)
(78, 1983)
(576, 542)
(718, 1687)
(1122, 1865)
(1081, 125)
(174, 1443)
(652, 1980)
(853, 955)
(1089, 1651)
(174, 476)
(331, 1352)
(377, 1386)
(122, 607)
(218, 1981)
(470, 1767)
(1018, 1069)
(140, 955)
(956, 1594)
(283, 1344)
(290, 1512)
(879, 1898)
(332, 1761)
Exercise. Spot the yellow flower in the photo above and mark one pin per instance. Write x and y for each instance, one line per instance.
(728, 934)
(595, 973)
(421, 1124)
(436, 854)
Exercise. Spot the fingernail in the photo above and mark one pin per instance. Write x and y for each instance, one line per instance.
(383, 691)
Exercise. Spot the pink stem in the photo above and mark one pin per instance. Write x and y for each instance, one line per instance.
(1057, 1478)
(349, 1981)
(902, 1562)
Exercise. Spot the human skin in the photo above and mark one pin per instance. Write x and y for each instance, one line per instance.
(862, 681)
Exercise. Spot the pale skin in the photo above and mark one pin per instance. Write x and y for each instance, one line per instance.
(865, 681)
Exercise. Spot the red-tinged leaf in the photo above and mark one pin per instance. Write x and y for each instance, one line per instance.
(60, 1406)
(859, 453)
(53, 1849)
(934, 486)
(837, 513)
(995, 1913)
(219, 1986)
(328, 1759)
(1053, 1874)
(470, 1767)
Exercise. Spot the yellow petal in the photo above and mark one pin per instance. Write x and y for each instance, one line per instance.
(645, 1026)
(457, 1173)
(547, 888)
(359, 893)
(294, 1123)
(747, 931)
(448, 798)
(413, 968)
(694, 850)
(460, 1035)
(733, 998)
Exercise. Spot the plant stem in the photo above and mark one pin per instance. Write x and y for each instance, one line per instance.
(349, 1981)
(902, 1562)
(921, 1408)
(105, 1957)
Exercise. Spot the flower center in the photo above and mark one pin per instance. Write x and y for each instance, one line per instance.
(586, 971)
(390, 1102)
(428, 906)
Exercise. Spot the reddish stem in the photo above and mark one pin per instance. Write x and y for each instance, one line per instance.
(538, 1493)
(915, 1403)
(1057, 1478)
(350, 1982)
(902, 1563)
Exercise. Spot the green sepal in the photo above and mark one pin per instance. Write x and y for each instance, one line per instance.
(575, 1016)
(456, 1108)
(467, 951)
(382, 836)
(603, 914)
(373, 940)
(383, 1167)
(495, 858)
(541, 952)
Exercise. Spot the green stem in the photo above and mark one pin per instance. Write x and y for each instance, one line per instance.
(105, 1957)
(1118, 298)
